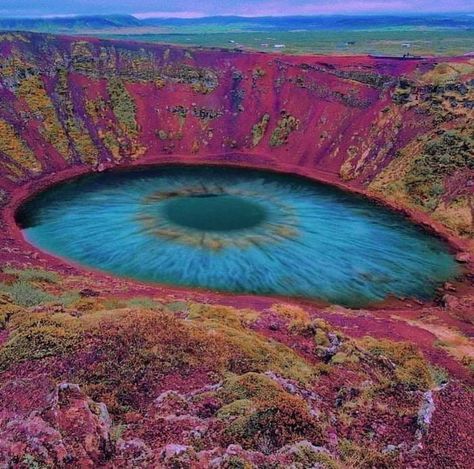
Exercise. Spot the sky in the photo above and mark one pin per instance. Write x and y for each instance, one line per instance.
(194, 9)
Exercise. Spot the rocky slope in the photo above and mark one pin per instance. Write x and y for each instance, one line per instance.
(103, 372)
(95, 379)
(372, 123)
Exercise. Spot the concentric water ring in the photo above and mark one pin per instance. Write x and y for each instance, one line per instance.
(274, 223)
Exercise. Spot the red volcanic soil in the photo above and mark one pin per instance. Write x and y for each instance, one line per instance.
(208, 105)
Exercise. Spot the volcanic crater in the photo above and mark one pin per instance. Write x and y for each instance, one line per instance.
(79, 108)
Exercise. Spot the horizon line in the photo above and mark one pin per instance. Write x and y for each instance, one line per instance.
(139, 16)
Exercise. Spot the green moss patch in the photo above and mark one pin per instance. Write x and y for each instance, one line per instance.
(286, 125)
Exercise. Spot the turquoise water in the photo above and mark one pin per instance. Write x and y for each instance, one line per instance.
(240, 231)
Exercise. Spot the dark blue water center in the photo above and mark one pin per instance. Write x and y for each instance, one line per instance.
(238, 230)
(214, 212)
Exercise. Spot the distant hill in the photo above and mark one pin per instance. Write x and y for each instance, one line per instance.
(312, 23)
(237, 23)
(69, 24)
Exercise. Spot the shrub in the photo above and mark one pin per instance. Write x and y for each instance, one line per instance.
(32, 275)
(69, 298)
(321, 338)
(25, 294)
(409, 367)
(440, 375)
(249, 350)
(236, 409)
(142, 302)
(363, 457)
(266, 417)
(274, 423)
(39, 336)
(12, 145)
(252, 352)
(233, 317)
(291, 312)
(32, 90)
(73, 124)
(299, 320)
(130, 351)
(236, 462)
(201, 80)
(7, 310)
(112, 143)
(341, 358)
(306, 455)
(177, 306)
(206, 114)
(162, 134)
(249, 386)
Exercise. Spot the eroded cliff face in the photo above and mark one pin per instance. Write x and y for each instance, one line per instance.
(88, 103)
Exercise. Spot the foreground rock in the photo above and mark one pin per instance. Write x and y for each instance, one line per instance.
(71, 429)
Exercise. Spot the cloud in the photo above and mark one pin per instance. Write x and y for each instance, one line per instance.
(252, 8)
(169, 14)
(278, 8)
(68, 15)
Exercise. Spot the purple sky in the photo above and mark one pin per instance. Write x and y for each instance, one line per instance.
(193, 8)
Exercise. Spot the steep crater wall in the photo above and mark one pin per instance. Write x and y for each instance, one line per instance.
(70, 106)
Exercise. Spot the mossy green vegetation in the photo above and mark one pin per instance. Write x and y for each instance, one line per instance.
(307, 455)
(140, 65)
(32, 90)
(393, 363)
(132, 357)
(259, 129)
(250, 350)
(206, 114)
(237, 318)
(432, 174)
(31, 286)
(162, 134)
(131, 353)
(142, 302)
(240, 349)
(403, 91)
(202, 80)
(31, 274)
(249, 386)
(96, 108)
(404, 362)
(74, 126)
(441, 157)
(354, 455)
(39, 336)
(264, 416)
(112, 143)
(286, 125)
(15, 148)
(23, 293)
(123, 106)
(83, 57)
